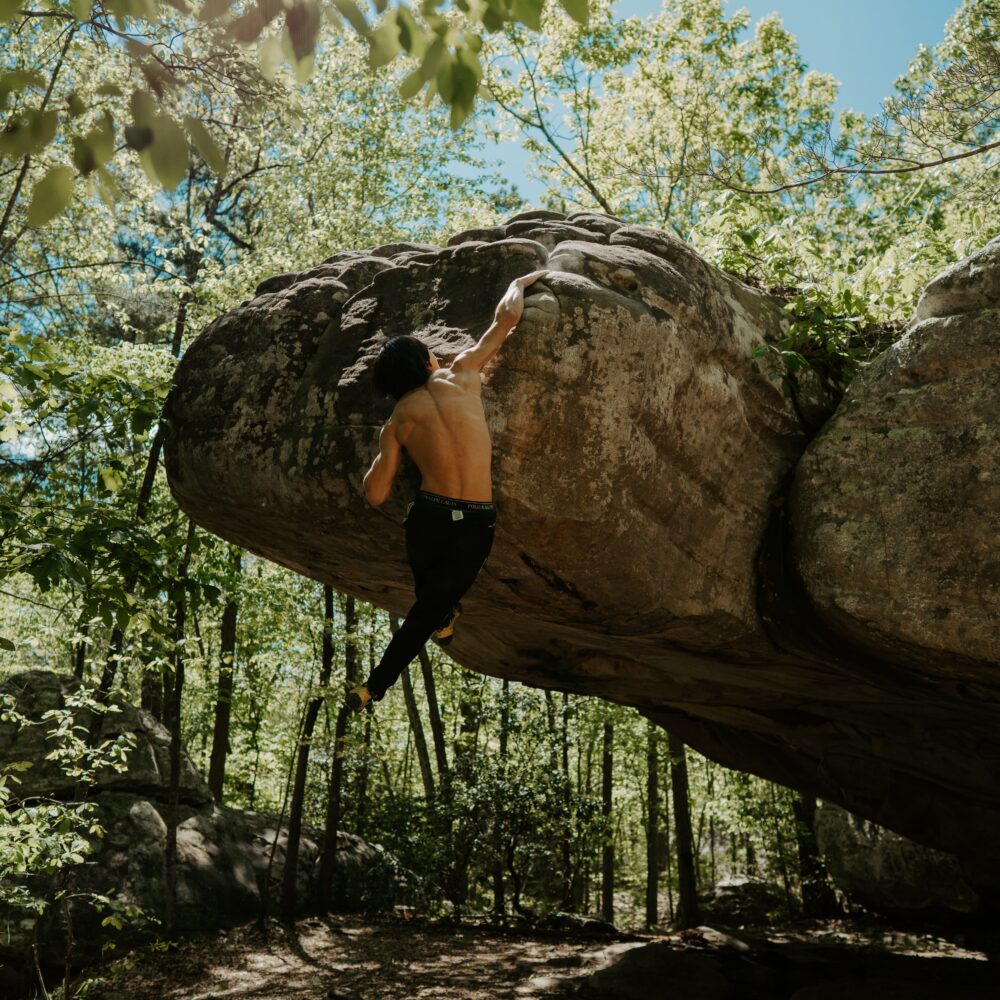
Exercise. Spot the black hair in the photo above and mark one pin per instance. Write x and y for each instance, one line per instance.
(403, 364)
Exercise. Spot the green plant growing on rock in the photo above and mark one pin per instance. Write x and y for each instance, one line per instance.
(43, 838)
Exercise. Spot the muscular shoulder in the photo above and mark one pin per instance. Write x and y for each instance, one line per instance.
(467, 379)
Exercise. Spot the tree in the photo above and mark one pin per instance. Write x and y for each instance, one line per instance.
(652, 826)
(445, 46)
(608, 853)
(289, 883)
(224, 696)
(686, 914)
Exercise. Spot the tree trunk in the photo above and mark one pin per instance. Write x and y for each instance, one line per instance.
(364, 769)
(289, 875)
(818, 899)
(499, 903)
(568, 887)
(173, 706)
(652, 826)
(687, 885)
(80, 651)
(434, 714)
(417, 726)
(224, 692)
(334, 798)
(608, 856)
(116, 645)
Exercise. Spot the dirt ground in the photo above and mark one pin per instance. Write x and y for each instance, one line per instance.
(350, 959)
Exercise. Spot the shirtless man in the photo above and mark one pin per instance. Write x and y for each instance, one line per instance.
(438, 418)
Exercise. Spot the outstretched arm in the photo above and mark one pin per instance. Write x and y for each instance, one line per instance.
(378, 479)
(505, 319)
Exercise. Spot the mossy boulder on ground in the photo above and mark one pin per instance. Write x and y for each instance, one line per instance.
(224, 855)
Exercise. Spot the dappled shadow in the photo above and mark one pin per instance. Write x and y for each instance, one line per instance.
(398, 959)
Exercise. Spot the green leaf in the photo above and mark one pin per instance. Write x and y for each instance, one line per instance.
(528, 12)
(76, 104)
(579, 10)
(411, 84)
(353, 16)
(7, 644)
(432, 60)
(211, 9)
(143, 108)
(411, 35)
(384, 42)
(51, 196)
(19, 79)
(169, 152)
(9, 7)
(112, 478)
(205, 145)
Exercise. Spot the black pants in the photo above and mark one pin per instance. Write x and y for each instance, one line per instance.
(447, 542)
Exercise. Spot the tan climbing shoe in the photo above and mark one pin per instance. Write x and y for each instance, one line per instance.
(446, 633)
(358, 698)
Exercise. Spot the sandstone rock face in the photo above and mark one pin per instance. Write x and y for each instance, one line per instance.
(644, 550)
(223, 853)
(896, 505)
(625, 420)
(888, 873)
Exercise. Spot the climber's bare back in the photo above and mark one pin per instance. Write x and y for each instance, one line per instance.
(441, 424)
(443, 428)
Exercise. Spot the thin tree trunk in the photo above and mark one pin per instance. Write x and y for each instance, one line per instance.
(80, 651)
(608, 855)
(364, 769)
(687, 885)
(417, 727)
(434, 714)
(499, 903)
(173, 707)
(224, 692)
(568, 901)
(289, 892)
(652, 826)
(116, 645)
(334, 802)
(818, 899)
(779, 843)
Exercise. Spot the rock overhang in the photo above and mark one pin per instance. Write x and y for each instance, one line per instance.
(644, 549)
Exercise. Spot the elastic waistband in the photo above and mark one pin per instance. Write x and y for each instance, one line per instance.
(453, 502)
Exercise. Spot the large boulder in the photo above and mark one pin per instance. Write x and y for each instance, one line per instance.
(743, 900)
(644, 548)
(887, 873)
(896, 504)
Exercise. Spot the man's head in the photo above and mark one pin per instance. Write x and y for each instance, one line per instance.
(404, 363)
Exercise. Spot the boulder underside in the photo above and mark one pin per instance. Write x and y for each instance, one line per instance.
(672, 534)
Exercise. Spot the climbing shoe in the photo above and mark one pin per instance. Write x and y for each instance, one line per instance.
(359, 698)
(446, 632)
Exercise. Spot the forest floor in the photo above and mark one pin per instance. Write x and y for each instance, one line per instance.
(347, 958)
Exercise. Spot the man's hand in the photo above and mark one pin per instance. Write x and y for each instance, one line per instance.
(511, 307)
(508, 314)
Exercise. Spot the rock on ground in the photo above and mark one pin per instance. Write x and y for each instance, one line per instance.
(887, 873)
(223, 853)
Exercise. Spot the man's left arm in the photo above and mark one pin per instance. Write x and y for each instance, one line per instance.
(378, 479)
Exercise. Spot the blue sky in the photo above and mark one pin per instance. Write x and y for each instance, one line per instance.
(865, 44)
